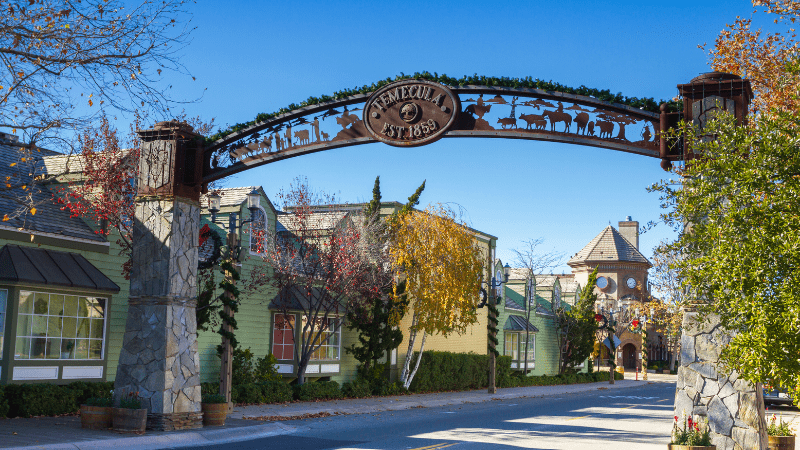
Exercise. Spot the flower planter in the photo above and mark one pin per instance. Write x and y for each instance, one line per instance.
(214, 414)
(96, 417)
(780, 443)
(130, 420)
(691, 447)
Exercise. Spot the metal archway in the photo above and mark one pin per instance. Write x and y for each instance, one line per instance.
(478, 111)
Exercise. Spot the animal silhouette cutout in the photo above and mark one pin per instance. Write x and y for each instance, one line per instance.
(325, 136)
(537, 120)
(507, 121)
(581, 120)
(590, 128)
(556, 116)
(478, 110)
(302, 137)
(606, 128)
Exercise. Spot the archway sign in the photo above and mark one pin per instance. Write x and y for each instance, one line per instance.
(159, 358)
(415, 112)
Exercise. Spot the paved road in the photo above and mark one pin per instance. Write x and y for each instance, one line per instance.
(637, 418)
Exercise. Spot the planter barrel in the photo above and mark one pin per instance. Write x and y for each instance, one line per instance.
(780, 442)
(214, 414)
(130, 420)
(96, 417)
(691, 447)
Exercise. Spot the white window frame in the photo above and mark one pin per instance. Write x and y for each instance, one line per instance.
(518, 355)
(91, 320)
(323, 349)
(250, 230)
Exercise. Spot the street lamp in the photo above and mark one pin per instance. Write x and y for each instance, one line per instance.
(494, 284)
(234, 225)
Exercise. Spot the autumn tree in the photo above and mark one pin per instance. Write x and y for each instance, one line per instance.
(535, 262)
(436, 255)
(321, 264)
(765, 58)
(376, 316)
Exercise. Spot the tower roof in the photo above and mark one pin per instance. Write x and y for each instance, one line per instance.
(608, 246)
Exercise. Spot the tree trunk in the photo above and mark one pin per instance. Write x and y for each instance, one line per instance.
(407, 383)
(412, 337)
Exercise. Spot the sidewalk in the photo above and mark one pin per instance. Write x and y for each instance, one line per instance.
(66, 433)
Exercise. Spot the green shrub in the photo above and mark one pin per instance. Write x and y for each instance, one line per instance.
(86, 390)
(242, 367)
(213, 398)
(266, 369)
(275, 391)
(359, 388)
(26, 400)
(249, 393)
(98, 401)
(209, 388)
(446, 371)
(3, 403)
(319, 390)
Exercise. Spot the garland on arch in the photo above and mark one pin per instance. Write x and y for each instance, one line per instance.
(645, 103)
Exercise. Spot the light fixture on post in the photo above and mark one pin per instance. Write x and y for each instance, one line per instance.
(234, 227)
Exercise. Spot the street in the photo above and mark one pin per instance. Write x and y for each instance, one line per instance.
(638, 418)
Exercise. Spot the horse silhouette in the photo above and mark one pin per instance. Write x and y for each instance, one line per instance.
(556, 116)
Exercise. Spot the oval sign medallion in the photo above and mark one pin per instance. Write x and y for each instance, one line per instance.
(411, 112)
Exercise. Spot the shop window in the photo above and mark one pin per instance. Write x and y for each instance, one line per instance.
(330, 336)
(283, 337)
(57, 326)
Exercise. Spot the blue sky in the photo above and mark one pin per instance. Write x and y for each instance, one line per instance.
(258, 56)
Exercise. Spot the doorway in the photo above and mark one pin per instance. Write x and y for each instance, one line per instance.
(629, 356)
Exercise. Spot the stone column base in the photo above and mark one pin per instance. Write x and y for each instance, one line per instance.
(174, 421)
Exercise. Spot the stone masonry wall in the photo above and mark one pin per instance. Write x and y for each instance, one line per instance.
(734, 407)
(159, 358)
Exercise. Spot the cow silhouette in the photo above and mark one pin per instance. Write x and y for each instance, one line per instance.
(556, 116)
(507, 121)
(606, 128)
(590, 126)
(537, 120)
(302, 137)
(478, 110)
(581, 120)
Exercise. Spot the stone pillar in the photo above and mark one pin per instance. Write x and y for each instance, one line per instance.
(159, 358)
(734, 407)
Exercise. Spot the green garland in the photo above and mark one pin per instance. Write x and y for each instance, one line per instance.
(646, 103)
(209, 263)
(492, 328)
(229, 287)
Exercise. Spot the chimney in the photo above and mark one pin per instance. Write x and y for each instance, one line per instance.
(629, 229)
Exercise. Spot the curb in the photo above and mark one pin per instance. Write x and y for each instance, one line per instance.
(181, 439)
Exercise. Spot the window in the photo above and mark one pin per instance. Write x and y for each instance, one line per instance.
(3, 304)
(515, 346)
(258, 231)
(330, 337)
(57, 326)
(556, 296)
(283, 337)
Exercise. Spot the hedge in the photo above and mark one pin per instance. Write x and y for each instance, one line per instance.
(26, 400)
(319, 390)
(446, 371)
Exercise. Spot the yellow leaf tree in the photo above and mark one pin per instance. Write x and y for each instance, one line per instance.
(765, 58)
(438, 257)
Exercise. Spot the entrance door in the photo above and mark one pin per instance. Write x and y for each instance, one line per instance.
(629, 356)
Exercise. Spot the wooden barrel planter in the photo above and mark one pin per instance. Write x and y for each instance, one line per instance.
(129, 420)
(780, 443)
(214, 414)
(96, 417)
